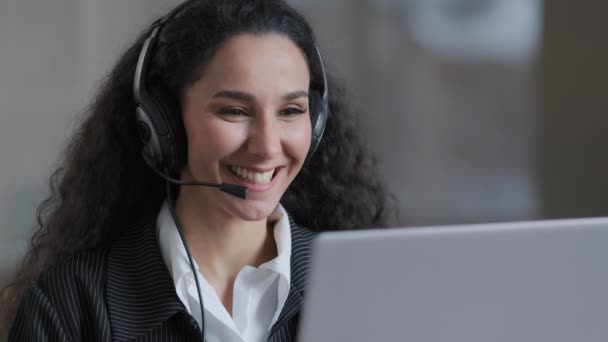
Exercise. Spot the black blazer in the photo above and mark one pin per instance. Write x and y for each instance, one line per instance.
(125, 293)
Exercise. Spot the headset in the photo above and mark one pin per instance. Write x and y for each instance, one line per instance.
(159, 122)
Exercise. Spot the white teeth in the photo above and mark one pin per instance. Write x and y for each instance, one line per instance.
(252, 176)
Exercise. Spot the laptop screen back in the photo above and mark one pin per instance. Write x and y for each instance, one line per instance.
(527, 281)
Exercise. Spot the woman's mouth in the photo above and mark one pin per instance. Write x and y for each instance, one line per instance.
(251, 175)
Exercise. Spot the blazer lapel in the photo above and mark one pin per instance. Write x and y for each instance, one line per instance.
(285, 329)
(139, 290)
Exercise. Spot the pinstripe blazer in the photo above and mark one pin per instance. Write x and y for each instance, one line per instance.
(125, 293)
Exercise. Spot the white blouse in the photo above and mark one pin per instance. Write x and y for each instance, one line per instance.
(259, 293)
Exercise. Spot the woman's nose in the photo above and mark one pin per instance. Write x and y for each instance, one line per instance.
(265, 138)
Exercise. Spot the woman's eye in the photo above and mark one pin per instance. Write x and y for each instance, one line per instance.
(292, 111)
(232, 111)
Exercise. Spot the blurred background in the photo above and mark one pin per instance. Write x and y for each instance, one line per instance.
(478, 110)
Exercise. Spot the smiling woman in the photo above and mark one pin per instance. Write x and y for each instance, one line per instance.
(230, 92)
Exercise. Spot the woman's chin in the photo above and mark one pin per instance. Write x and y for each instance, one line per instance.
(253, 211)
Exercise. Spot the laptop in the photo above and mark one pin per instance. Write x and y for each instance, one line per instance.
(528, 281)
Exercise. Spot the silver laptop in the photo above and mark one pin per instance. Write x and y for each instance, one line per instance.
(530, 281)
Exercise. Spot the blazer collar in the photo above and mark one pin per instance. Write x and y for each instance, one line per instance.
(140, 291)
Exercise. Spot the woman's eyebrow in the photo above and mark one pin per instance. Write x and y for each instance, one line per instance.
(295, 94)
(244, 96)
(234, 94)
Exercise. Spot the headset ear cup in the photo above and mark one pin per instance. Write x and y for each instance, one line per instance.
(173, 141)
(318, 117)
(148, 135)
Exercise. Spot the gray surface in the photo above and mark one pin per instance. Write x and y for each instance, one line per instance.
(541, 281)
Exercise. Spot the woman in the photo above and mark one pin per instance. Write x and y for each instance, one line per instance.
(121, 254)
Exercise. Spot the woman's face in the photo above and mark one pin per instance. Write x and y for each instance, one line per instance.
(247, 123)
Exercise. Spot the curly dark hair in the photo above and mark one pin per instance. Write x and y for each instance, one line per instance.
(103, 184)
